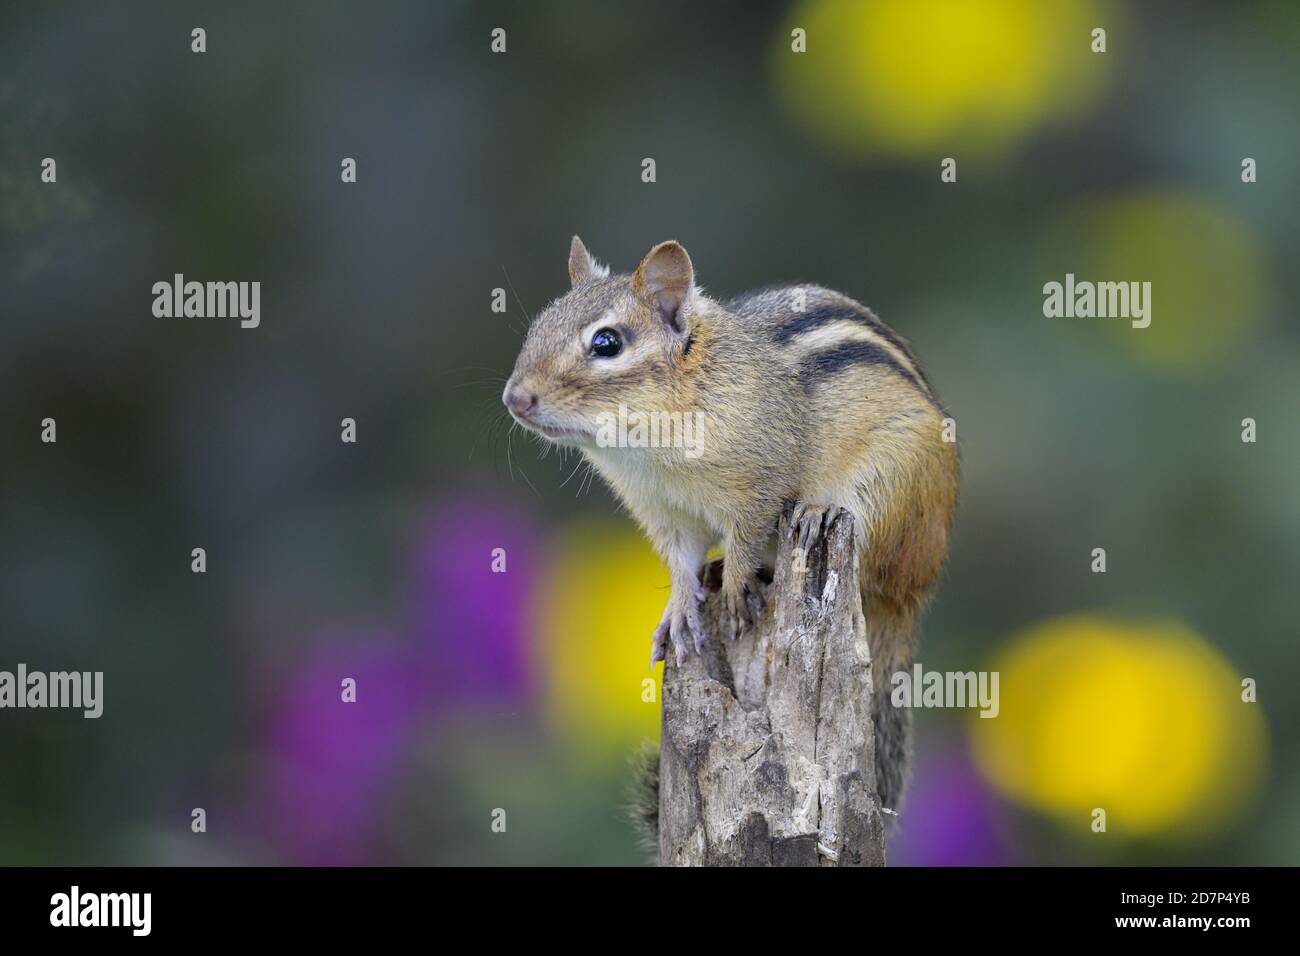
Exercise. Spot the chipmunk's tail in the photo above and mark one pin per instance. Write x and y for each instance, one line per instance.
(891, 635)
(641, 798)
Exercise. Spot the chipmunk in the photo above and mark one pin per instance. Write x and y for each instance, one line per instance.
(808, 397)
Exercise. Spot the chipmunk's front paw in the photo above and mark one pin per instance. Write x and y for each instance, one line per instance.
(681, 620)
(742, 603)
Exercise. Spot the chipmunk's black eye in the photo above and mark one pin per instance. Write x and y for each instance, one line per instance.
(606, 343)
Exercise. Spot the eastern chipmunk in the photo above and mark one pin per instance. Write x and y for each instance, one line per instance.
(806, 397)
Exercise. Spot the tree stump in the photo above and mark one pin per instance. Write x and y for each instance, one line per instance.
(767, 756)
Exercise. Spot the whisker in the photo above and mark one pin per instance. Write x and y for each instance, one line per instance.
(510, 462)
(588, 478)
(571, 474)
(489, 433)
(520, 301)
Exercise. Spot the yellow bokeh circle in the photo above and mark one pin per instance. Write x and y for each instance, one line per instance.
(1143, 720)
(1210, 285)
(599, 599)
(909, 77)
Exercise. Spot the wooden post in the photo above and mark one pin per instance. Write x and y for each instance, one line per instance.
(767, 755)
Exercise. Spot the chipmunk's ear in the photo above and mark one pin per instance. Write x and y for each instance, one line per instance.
(665, 278)
(582, 267)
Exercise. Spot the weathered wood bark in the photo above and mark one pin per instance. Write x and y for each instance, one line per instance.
(767, 754)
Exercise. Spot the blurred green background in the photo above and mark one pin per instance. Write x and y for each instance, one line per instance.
(523, 691)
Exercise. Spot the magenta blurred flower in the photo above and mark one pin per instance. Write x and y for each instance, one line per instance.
(331, 763)
(472, 637)
(950, 818)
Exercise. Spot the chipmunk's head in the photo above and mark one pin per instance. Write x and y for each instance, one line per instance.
(608, 341)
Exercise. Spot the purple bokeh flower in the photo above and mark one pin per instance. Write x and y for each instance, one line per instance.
(950, 818)
(471, 624)
(332, 762)
(331, 765)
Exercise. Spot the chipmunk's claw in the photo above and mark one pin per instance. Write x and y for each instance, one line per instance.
(658, 648)
(681, 620)
(742, 605)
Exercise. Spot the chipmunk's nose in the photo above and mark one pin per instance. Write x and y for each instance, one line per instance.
(519, 401)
